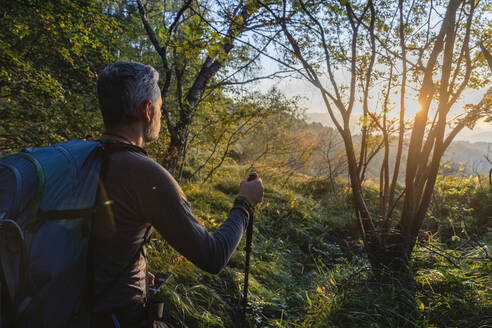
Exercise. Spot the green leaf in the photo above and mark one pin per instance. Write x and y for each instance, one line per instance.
(420, 305)
(308, 299)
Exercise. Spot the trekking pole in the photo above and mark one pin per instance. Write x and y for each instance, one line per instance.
(249, 240)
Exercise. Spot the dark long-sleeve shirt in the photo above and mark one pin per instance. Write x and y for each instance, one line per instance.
(138, 192)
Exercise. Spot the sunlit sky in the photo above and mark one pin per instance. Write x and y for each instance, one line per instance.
(313, 102)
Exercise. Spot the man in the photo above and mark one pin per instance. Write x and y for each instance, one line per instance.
(136, 193)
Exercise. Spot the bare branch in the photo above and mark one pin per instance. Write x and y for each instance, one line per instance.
(175, 23)
(227, 82)
(150, 32)
(486, 54)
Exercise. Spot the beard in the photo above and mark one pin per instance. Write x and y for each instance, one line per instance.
(151, 132)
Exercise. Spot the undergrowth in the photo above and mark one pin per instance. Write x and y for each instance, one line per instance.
(308, 267)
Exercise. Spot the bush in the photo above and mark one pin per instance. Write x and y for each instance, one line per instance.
(460, 206)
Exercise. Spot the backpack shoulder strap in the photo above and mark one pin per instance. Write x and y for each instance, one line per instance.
(110, 148)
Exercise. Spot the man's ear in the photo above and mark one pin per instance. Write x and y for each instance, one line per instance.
(146, 111)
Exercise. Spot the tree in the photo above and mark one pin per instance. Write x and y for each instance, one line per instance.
(51, 53)
(418, 45)
(195, 40)
(334, 161)
(283, 142)
(228, 125)
(488, 158)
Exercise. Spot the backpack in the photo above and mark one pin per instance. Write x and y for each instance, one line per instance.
(47, 200)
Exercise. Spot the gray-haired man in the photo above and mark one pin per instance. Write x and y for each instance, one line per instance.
(141, 193)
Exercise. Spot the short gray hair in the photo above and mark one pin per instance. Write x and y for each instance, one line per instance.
(122, 87)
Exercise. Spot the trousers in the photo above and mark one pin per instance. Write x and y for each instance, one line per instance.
(134, 315)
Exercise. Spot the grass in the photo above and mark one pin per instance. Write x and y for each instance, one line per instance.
(308, 268)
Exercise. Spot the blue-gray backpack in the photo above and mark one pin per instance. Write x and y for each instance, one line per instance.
(47, 198)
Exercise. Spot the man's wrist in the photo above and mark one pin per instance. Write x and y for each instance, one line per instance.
(244, 202)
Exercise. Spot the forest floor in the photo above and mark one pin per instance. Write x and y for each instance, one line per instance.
(309, 269)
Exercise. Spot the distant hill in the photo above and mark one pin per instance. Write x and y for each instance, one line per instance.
(481, 133)
(325, 120)
(471, 153)
(466, 151)
(471, 136)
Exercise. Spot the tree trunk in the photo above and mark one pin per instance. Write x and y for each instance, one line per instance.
(172, 154)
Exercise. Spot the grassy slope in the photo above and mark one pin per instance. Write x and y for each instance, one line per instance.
(309, 270)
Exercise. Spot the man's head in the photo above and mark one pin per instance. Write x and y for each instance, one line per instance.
(128, 93)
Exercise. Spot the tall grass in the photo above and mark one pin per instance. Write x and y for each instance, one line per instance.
(308, 267)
